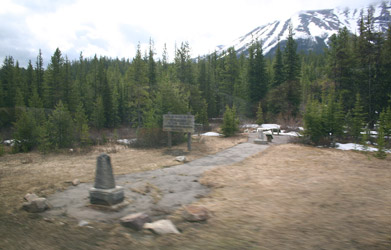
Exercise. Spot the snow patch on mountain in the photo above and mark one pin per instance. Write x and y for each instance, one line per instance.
(314, 26)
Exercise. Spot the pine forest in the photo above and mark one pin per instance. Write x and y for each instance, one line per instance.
(338, 94)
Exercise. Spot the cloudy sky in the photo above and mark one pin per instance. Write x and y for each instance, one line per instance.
(114, 27)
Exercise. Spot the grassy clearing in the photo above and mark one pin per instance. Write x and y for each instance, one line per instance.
(287, 197)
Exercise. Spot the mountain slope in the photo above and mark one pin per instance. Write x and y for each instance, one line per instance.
(312, 29)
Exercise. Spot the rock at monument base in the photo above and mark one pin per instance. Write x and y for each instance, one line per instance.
(162, 227)
(107, 196)
(193, 213)
(135, 221)
(36, 205)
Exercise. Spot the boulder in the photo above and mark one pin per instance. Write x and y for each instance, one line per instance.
(135, 221)
(30, 197)
(36, 205)
(180, 158)
(195, 213)
(75, 182)
(162, 227)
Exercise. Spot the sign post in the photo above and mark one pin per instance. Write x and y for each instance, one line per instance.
(179, 123)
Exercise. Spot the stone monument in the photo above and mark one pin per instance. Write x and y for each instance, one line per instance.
(105, 192)
(261, 137)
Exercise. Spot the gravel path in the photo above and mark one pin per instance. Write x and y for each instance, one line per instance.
(157, 192)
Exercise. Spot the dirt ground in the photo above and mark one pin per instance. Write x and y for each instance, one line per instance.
(286, 197)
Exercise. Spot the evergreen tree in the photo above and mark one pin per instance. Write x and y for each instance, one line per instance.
(230, 122)
(138, 88)
(332, 118)
(341, 66)
(358, 119)
(171, 97)
(242, 90)
(229, 76)
(313, 122)
(152, 78)
(202, 116)
(292, 73)
(183, 64)
(383, 92)
(44, 142)
(29, 81)
(107, 97)
(380, 144)
(98, 115)
(291, 59)
(7, 79)
(368, 54)
(257, 76)
(39, 74)
(259, 114)
(385, 123)
(54, 80)
(365, 139)
(25, 132)
(36, 108)
(70, 96)
(214, 100)
(81, 125)
(278, 68)
(2, 101)
(60, 127)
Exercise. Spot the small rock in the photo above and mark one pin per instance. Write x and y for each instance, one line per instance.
(50, 220)
(37, 205)
(75, 182)
(162, 227)
(83, 223)
(180, 158)
(135, 221)
(195, 213)
(26, 161)
(30, 197)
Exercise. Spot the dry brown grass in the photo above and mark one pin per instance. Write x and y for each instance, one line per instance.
(296, 197)
(287, 197)
(45, 174)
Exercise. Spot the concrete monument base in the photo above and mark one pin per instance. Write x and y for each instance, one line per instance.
(259, 141)
(108, 197)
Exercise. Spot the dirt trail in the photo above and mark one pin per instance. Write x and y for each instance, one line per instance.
(157, 192)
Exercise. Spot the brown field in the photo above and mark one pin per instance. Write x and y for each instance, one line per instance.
(287, 197)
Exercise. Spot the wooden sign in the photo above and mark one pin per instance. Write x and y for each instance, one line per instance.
(178, 123)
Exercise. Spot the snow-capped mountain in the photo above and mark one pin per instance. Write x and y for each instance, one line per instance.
(312, 29)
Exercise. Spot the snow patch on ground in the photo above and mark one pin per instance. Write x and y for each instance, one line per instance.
(126, 141)
(211, 134)
(250, 126)
(296, 134)
(359, 147)
(270, 126)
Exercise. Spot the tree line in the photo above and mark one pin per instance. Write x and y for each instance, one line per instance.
(55, 107)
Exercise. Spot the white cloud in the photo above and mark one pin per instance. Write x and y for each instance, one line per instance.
(114, 28)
